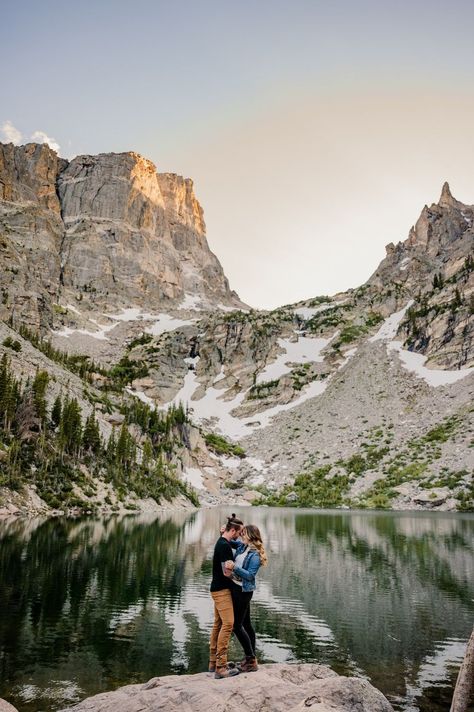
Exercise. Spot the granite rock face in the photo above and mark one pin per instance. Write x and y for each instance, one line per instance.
(28, 174)
(435, 267)
(276, 687)
(105, 231)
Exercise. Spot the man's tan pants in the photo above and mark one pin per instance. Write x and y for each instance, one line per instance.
(222, 628)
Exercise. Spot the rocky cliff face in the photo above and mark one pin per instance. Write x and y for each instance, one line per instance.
(435, 268)
(106, 231)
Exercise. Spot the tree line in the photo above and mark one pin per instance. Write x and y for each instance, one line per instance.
(55, 448)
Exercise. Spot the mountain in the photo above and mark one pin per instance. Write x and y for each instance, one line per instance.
(100, 231)
(363, 398)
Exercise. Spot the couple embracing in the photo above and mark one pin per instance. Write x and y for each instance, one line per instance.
(238, 555)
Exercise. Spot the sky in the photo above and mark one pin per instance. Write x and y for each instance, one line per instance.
(314, 131)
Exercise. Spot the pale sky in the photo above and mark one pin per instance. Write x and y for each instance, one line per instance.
(314, 132)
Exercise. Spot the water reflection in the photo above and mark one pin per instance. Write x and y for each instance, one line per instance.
(89, 605)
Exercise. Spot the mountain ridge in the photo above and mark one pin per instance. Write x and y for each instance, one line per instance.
(246, 374)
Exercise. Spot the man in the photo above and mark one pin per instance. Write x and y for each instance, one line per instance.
(221, 586)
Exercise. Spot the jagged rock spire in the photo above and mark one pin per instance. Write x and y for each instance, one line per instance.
(446, 199)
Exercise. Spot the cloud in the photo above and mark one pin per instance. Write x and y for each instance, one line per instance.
(10, 133)
(41, 137)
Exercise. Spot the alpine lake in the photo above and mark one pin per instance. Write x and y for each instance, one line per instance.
(88, 605)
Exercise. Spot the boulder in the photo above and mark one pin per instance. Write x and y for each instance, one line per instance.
(432, 498)
(277, 687)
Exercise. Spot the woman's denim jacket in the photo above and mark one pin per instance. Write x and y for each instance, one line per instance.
(248, 570)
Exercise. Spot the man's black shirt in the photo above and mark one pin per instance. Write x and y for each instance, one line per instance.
(222, 552)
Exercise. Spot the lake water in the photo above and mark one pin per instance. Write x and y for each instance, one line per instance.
(89, 605)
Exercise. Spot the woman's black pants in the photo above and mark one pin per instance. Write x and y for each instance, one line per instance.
(243, 628)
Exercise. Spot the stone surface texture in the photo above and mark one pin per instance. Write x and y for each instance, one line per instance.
(103, 231)
(274, 688)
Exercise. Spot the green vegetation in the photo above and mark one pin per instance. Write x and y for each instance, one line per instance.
(59, 449)
(332, 316)
(351, 332)
(126, 371)
(12, 344)
(328, 485)
(140, 341)
(312, 489)
(221, 446)
(79, 364)
(301, 375)
(442, 432)
(263, 390)
(114, 379)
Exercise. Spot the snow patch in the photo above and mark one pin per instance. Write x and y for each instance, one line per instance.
(141, 396)
(191, 301)
(99, 335)
(404, 264)
(131, 314)
(415, 363)
(389, 328)
(304, 350)
(166, 322)
(194, 477)
(220, 376)
(307, 313)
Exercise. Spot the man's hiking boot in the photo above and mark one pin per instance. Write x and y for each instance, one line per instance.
(223, 672)
(248, 665)
(212, 665)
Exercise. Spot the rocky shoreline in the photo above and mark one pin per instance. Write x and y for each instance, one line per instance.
(276, 687)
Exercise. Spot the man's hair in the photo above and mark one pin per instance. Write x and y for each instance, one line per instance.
(233, 523)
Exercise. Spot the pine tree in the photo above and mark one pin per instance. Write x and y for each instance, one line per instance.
(111, 447)
(71, 426)
(39, 394)
(91, 440)
(147, 456)
(122, 453)
(5, 379)
(56, 411)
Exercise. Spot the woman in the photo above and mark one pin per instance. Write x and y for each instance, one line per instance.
(250, 555)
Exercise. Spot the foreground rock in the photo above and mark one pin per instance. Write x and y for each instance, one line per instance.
(274, 687)
(7, 707)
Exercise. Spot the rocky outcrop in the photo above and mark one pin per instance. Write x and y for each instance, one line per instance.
(276, 687)
(435, 267)
(28, 174)
(105, 231)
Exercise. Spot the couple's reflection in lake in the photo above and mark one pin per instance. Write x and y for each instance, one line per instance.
(88, 605)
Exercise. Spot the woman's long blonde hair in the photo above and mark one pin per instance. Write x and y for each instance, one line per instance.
(255, 538)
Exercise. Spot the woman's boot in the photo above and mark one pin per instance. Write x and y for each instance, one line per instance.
(249, 665)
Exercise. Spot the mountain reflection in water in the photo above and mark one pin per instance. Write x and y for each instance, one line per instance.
(90, 605)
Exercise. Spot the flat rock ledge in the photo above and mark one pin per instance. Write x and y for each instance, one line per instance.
(275, 687)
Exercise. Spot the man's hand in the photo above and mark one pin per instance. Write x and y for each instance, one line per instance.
(229, 565)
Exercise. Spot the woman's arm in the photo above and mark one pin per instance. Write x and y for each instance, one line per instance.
(250, 573)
